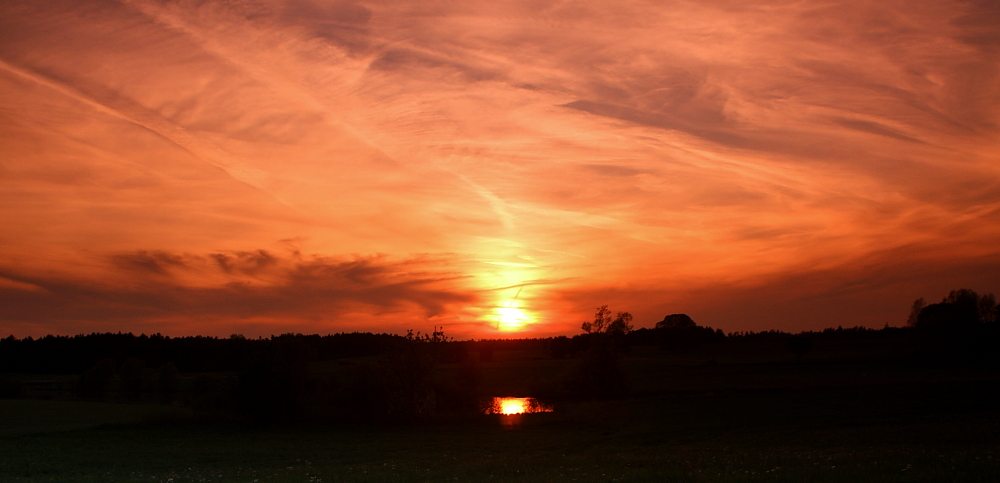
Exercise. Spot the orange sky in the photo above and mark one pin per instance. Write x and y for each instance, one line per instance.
(268, 166)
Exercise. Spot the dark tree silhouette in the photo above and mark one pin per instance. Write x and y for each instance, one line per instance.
(598, 374)
(962, 308)
(679, 333)
(918, 306)
(959, 328)
(621, 324)
(800, 345)
(676, 321)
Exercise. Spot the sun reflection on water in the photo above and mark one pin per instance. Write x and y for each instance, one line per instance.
(517, 405)
(513, 405)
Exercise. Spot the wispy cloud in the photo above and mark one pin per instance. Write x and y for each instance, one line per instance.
(258, 290)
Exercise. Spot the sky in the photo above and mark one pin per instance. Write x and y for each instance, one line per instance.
(496, 168)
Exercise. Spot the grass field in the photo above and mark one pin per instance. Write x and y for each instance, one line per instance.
(822, 421)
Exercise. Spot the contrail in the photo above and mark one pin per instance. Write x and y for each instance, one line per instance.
(515, 295)
(133, 113)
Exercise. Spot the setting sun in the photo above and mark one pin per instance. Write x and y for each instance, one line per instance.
(511, 318)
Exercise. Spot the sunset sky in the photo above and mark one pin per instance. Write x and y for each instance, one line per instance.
(498, 168)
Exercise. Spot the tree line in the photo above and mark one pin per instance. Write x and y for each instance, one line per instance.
(396, 377)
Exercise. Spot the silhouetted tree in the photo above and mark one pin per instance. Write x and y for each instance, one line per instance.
(598, 374)
(601, 320)
(962, 308)
(603, 323)
(436, 345)
(679, 333)
(988, 309)
(960, 327)
(437, 336)
(621, 326)
(676, 321)
(800, 345)
(918, 306)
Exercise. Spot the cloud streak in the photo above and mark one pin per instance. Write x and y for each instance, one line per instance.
(255, 290)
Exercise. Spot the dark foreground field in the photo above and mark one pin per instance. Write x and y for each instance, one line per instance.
(822, 420)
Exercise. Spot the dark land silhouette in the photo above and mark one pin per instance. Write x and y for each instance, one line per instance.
(931, 386)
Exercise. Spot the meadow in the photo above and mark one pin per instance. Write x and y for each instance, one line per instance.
(849, 411)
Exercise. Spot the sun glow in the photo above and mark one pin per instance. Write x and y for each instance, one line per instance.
(508, 406)
(511, 318)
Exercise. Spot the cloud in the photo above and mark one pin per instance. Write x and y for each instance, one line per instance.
(679, 122)
(150, 288)
(874, 128)
(156, 262)
(245, 262)
(343, 22)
